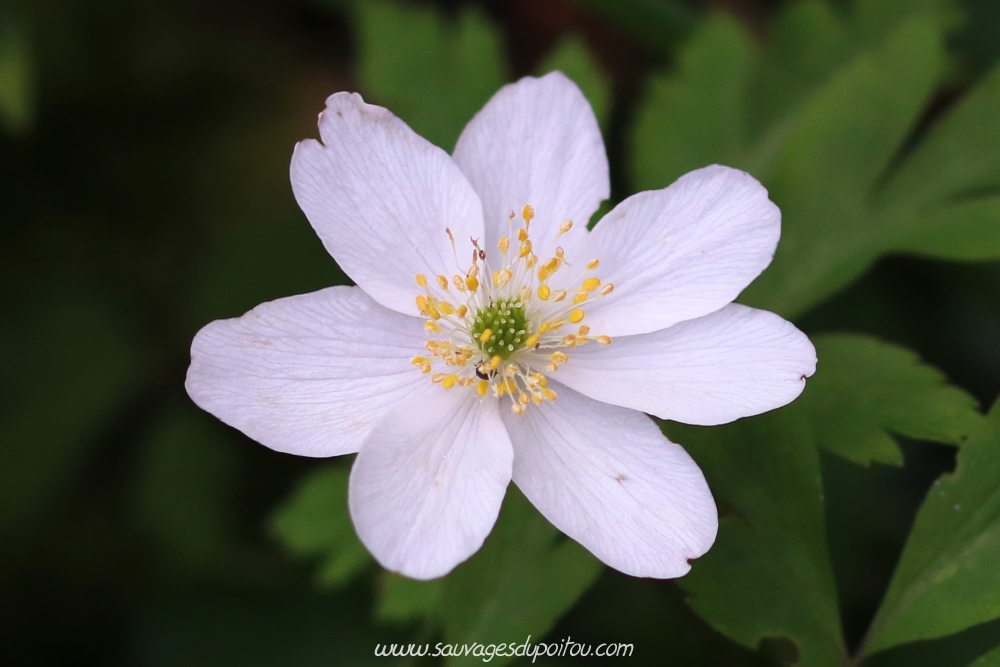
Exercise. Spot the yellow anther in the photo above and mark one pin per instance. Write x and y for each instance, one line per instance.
(482, 387)
(603, 340)
(542, 380)
(510, 371)
(590, 284)
(500, 389)
(449, 381)
(553, 264)
(494, 362)
(472, 283)
(462, 310)
(544, 292)
(592, 264)
(522, 398)
(433, 312)
(502, 277)
(486, 335)
(559, 357)
(446, 308)
(458, 282)
(606, 290)
(517, 409)
(504, 243)
(443, 282)
(430, 326)
(511, 386)
(425, 368)
(549, 394)
(581, 297)
(576, 315)
(536, 398)
(422, 303)
(525, 249)
(422, 280)
(543, 327)
(522, 235)
(543, 273)
(417, 361)
(584, 330)
(531, 341)
(569, 340)
(437, 377)
(565, 227)
(527, 213)
(560, 295)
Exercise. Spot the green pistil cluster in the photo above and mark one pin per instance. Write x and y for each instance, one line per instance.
(508, 326)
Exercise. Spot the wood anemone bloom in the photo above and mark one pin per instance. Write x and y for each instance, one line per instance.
(491, 337)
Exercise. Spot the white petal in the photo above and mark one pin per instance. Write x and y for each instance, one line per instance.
(308, 374)
(734, 363)
(536, 142)
(610, 480)
(381, 199)
(681, 252)
(428, 483)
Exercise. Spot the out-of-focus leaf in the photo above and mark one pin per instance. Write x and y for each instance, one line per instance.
(64, 369)
(991, 659)
(961, 649)
(185, 489)
(947, 578)
(17, 103)
(769, 573)
(657, 23)
(822, 118)
(695, 118)
(523, 579)
(866, 390)
(434, 72)
(402, 600)
(315, 523)
(834, 154)
(573, 59)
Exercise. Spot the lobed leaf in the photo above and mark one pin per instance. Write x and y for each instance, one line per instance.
(865, 391)
(947, 578)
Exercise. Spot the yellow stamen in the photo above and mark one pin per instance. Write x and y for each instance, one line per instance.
(504, 244)
(443, 282)
(417, 361)
(522, 235)
(603, 340)
(560, 295)
(531, 341)
(606, 290)
(486, 335)
(581, 297)
(449, 381)
(433, 312)
(559, 357)
(430, 326)
(446, 308)
(576, 315)
(422, 303)
(527, 213)
(584, 330)
(482, 387)
(462, 310)
(494, 362)
(525, 249)
(544, 292)
(549, 394)
(592, 264)
(565, 227)
(517, 409)
(472, 283)
(422, 280)
(590, 284)
(437, 377)
(459, 283)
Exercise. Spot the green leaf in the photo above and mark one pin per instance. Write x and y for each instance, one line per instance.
(832, 158)
(526, 576)
(769, 573)
(864, 391)
(657, 23)
(572, 58)
(65, 368)
(695, 118)
(185, 490)
(434, 72)
(17, 76)
(991, 659)
(947, 578)
(314, 523)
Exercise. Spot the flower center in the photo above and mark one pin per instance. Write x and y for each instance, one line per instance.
(498, 330)
(501, 328)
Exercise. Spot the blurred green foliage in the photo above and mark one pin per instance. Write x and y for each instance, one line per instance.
(143, 182)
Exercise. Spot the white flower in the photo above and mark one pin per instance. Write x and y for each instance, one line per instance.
(492, 338)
